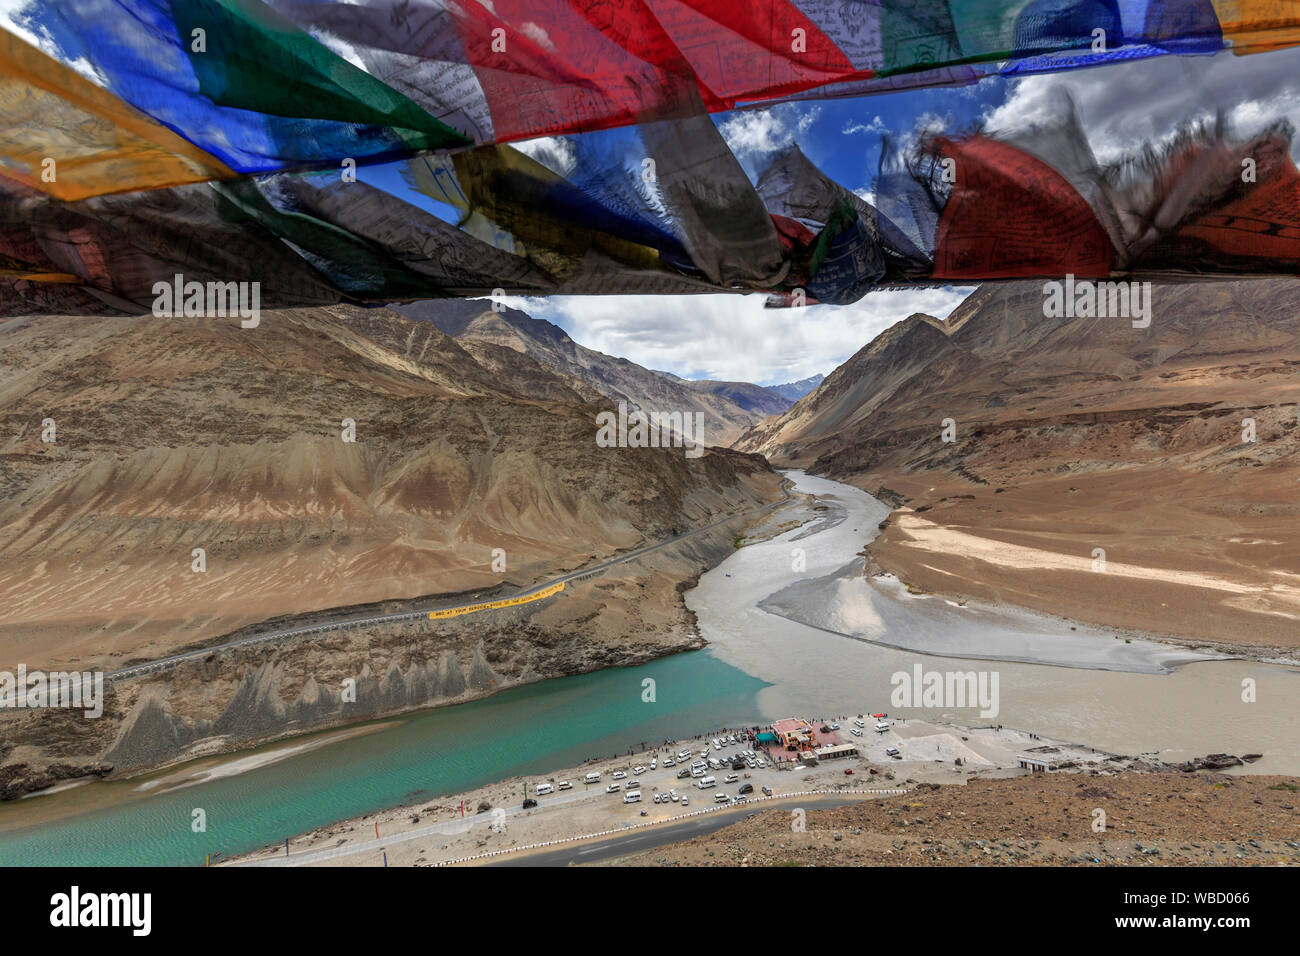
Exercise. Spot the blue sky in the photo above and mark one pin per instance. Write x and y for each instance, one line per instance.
(1120, 107)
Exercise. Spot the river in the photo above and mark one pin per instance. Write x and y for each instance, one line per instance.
(760, 666)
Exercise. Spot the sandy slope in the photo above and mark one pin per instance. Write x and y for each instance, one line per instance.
(1152, 819)
(1079, 434)
(182, 434)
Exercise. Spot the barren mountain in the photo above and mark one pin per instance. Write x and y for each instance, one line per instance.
(728, 407)
(1139, 477)
(172, 435)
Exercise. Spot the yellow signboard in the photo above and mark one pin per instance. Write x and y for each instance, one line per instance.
(506, 602)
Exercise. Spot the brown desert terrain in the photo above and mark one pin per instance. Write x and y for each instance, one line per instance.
(1077, 434)
(173, 434)
(1151, 819)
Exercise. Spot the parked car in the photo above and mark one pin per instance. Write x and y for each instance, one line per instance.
(669, 762)
(767, 791)
(672, 794)
(619, 775)
(564, 785)
(638, 770)
(855, 732)
(730, 778)
(892, 751)
(614, 788)
(747, 788)
(835, 726)
(683, 774)
(683, 755)
(685, 799)
(529, 803)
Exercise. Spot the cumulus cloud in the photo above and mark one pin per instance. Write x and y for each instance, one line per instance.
(733, 337)
(1127, 104)
(754, 135)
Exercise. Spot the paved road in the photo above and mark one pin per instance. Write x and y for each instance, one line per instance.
(642, 838)
(651, 837)
(163, 663)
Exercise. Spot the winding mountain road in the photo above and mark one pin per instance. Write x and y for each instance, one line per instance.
(536, 590)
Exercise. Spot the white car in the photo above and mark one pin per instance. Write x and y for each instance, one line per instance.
(835, 726)
(638, 770)
(730, 778)
(619, 775)
(684, 755)
(668, 762)
(855, 732)
(653, 763)
(892, 751)
(564, 785)
(657, 798)
(672, 794)
(761, 763)
(685, 800)
(882, 728)
(614, 788)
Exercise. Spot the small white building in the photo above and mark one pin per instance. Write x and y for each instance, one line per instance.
(836, 750)
(1032, 764)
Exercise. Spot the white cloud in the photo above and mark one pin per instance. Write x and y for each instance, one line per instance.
(1124, 105)
(537, 34)
(877, 125)
(556, 153)
(754, 135)
(733, 337)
